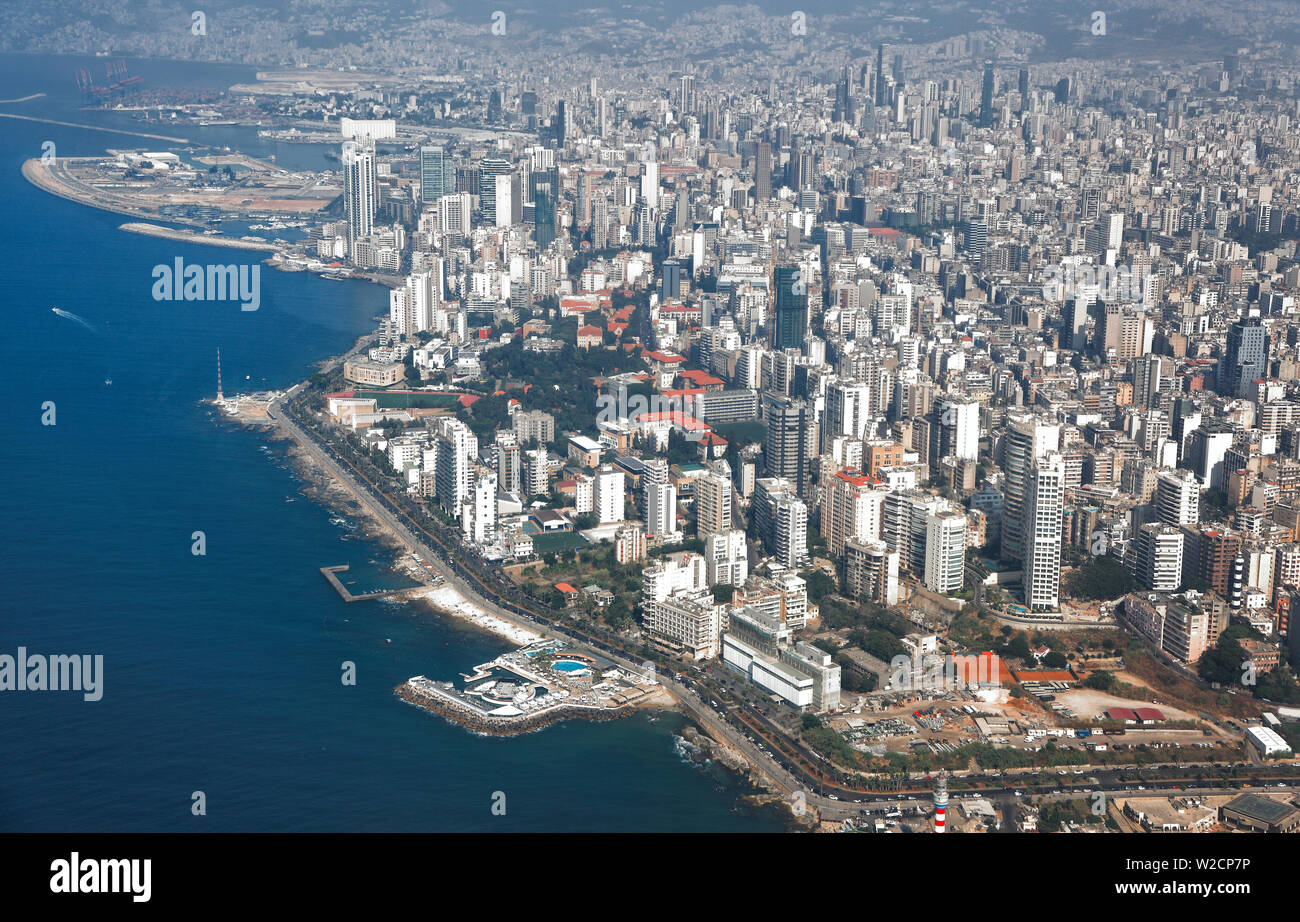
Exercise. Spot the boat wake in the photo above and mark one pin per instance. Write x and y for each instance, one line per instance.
(71, 316)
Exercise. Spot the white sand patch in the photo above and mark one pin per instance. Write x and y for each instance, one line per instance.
(449, 599)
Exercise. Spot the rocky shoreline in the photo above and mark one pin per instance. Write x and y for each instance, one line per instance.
(700, 748)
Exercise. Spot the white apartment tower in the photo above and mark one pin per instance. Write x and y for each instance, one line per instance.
(1041, 517)
(945, 551)
(608, 495)
(661, 510)
(360, 191)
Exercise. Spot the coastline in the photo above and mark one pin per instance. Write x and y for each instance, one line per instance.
(38, 174)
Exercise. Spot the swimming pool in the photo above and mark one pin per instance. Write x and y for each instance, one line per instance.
(568, 665)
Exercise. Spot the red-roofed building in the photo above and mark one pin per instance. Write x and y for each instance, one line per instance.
(856, 477)
(570, 594)
(712, 446)
(665, 366)
(700, 379)
(590, 336)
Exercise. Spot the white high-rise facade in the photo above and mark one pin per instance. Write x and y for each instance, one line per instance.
(727, 558)
(661, 510)
(960, 420)
(503, 200)
(1159, 556)
(852, 506)
(479, 519)
(453, 478)
(359, 189)
(945, 551)
(650, 183)
(1178, 498)
(1028, 440)
(1041, 517)
(848, 411)
(608, 494)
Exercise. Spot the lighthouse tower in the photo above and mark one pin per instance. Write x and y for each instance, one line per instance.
(941, 802)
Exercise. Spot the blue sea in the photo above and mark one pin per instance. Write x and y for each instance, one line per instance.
(222, 671)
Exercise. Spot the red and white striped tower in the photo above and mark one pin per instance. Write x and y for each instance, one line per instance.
(941, 802)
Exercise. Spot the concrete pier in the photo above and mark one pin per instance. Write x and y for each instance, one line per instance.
(331, 574)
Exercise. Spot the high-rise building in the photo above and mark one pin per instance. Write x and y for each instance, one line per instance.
(1042, 517)
(544, 223)
(360, 190)
(871, 571)
(1028, 439)
(727, 558)
(489, 170)
(1207, 446)
(852, 506)
(479, 516)
(789, 447)
(958, 432)
(1178, 498)
(609, 497)
(457, 449)
(560, 124)
(780, 521)
(1158, 552)
(533, 426)
(686, 96)
(763, 171)
(437, 174)
(712, 504)
(671, 279)
(945, 551)
(509, 462)
(882, 94)
(1245, 358)
(630, 543)
(848, 411)
(661, 510)
(790, 308)
(986, 97)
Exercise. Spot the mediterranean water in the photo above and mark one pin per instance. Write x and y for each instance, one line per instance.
(222, 672)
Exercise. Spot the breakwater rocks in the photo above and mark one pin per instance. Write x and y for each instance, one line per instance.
(699, 747)
(445, 704)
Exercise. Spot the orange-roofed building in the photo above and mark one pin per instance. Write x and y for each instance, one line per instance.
(700, 379)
